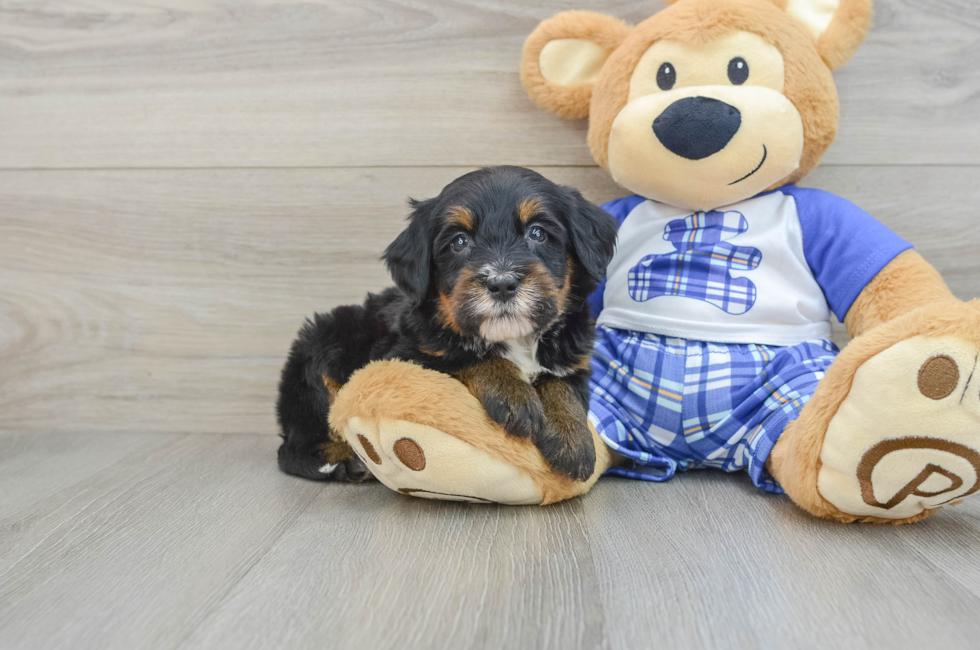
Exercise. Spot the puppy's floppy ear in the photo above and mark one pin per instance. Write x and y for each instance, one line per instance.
(563, 56)
(838, 26)
(409, 257)
(593, 234)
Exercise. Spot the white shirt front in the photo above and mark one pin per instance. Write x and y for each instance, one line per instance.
(734, 275)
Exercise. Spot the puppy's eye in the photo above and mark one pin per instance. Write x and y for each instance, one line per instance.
(536, 234)
(666, 76)
(459, 242)
(738, 71)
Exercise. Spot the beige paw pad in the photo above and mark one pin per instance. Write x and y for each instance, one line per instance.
(422, 461)
(907, 437)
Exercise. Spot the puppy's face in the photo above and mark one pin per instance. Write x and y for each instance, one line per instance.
(499, 252)
(503, 265)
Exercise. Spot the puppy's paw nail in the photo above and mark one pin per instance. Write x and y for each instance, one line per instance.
(501, 413)
(578, 471)
(576, 464)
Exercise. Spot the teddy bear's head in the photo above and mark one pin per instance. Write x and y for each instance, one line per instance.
(706, 103)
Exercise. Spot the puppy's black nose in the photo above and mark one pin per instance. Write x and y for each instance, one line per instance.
(502, 287)
(697, 127)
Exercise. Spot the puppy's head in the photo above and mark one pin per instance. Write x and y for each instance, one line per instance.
(502, 253)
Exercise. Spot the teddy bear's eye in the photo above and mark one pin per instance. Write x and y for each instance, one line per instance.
(738, 71)
(666, 76)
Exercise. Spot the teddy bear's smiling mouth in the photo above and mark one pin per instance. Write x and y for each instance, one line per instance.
(765, 154)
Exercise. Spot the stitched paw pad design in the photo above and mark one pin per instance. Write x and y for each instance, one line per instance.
(907, 437)
(701, 266)
(420, 461)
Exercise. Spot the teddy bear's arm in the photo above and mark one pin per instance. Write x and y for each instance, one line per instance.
(906, 283)
(424, 434)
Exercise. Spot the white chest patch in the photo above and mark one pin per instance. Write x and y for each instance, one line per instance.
(523, 353)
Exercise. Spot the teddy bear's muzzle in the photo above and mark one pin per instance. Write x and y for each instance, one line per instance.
(697, 127)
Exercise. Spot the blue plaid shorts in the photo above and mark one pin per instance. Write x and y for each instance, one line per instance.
(668, 403)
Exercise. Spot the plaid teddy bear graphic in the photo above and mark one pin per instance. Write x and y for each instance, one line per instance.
(701, 267)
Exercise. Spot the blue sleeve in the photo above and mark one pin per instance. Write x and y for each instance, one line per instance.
(844, 246)
(618, 209)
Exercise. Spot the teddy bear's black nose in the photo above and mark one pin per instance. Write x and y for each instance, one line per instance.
(697, 127)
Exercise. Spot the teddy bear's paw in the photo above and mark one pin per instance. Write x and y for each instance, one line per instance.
(906, 439)
(419, 460)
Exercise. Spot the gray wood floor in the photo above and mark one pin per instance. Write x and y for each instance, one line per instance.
(183, 181)
(132, 540)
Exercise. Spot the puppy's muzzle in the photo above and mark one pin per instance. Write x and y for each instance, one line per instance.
(502, 288)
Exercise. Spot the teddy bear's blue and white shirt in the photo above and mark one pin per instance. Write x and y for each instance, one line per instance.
(766, 270)
(714, 327)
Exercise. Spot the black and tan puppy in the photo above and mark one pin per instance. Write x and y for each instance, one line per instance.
(492, 278)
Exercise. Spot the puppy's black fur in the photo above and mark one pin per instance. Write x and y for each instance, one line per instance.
(492, 273)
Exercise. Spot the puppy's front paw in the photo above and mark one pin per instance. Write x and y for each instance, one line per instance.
(566, 441)
(518, 410)
(569, 449)
(332, 461)
(509, 400)
(352, 470)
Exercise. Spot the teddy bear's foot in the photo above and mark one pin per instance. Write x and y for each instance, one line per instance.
(423, 434)
(903, 438)
(907, 437)
(422, 461)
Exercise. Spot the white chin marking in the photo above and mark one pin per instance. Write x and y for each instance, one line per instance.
(328, 468)
(503, 328)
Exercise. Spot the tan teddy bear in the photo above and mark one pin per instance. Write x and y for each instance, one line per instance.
(714, 323)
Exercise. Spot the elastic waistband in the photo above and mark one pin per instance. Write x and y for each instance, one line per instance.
(690, 347)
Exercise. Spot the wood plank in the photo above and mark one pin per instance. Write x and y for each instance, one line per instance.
(179, 83)
(946, 543)
(35, 467)
(709, 561)
(166, 300)
(704, 561)
(199, 542)
(138, 555)
(367, 568)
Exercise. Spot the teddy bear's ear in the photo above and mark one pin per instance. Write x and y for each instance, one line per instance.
(838, 26)
(563, 57)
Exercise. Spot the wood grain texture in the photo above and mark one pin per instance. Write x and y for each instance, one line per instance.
(393, 572)
(178, 83)
(136, 555)
(199, 542)
(707, 560)
(166, 300)
(36, 467)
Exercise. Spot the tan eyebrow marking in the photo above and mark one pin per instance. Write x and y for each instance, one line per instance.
(460, 216)
(527, 209)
